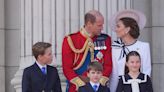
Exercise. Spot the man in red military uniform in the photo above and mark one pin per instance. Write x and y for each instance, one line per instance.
(83, 47)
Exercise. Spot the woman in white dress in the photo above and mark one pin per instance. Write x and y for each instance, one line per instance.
(127, 25)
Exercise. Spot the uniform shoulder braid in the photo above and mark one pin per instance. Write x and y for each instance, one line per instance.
(102, 37)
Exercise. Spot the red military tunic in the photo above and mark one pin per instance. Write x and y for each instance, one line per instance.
(68, 57)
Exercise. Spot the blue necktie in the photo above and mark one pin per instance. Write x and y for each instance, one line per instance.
(43, 70)
(95, 87)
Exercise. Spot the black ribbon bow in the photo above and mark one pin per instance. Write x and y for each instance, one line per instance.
(124, 49)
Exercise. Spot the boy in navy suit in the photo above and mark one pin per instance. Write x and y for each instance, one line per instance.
(94, 72)
(40, 77)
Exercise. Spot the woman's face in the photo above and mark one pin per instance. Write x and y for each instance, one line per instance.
(121, 30)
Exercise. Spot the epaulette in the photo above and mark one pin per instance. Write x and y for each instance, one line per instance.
(102, 37)
(71, 34)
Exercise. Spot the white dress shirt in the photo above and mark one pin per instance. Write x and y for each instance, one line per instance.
(92, 84)
(40, 66)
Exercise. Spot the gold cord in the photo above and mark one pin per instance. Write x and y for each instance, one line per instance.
(73, 47)
(88, 46)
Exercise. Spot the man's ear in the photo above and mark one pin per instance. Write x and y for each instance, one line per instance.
(89, 24)
(39, 56)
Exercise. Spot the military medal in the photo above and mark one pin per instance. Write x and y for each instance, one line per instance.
(99, 55)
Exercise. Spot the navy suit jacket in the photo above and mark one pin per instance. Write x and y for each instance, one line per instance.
(35, 81)
(88, 88)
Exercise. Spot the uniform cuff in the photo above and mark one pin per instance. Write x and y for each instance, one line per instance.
(103, 80)
(78, 82)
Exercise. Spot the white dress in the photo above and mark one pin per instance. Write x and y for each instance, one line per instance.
(118, 60)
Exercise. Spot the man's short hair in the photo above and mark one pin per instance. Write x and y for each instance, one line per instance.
(39, 48)
(95, 65)
(91, 16)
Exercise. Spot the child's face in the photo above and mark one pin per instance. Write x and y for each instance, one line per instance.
(94, 76)
(133, 64)
(47, 57)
